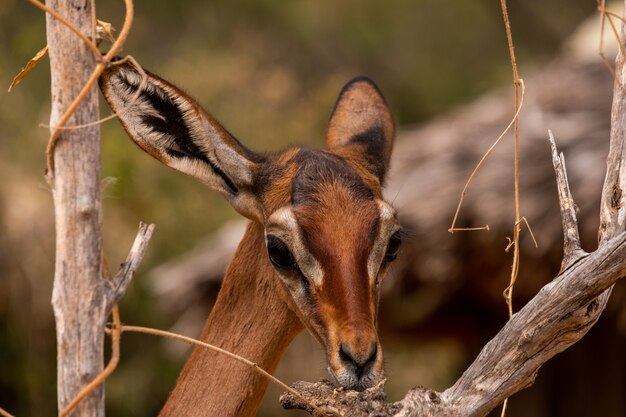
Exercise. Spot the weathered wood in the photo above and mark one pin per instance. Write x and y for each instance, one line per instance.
(116, 287)
(612, 210)
(82, 297)
(571, 238)
(78, 298)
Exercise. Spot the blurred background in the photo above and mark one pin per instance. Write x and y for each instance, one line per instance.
(270, 72)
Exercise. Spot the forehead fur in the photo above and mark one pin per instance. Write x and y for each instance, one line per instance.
(273, 182)
(318, 169)
(333, 205)
(300, 176)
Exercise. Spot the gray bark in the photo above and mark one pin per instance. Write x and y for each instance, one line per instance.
(82, 296)
(77, 298)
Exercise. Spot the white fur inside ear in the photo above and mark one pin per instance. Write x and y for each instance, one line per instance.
(202, 149)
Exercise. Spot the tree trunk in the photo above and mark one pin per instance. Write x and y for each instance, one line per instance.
(78, 295)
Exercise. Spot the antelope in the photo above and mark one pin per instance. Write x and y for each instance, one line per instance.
(319, 241)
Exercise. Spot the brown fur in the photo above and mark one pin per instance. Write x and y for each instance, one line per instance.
(277, 187)
(347, 301)
(247, 319)
(361, 110)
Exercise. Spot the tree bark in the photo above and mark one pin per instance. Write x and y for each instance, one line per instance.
(77, 298)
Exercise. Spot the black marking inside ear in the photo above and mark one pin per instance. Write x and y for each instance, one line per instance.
(171, 122)
(373, 139)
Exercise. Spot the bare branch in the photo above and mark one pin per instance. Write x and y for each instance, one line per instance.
(87, 88)
(118, 285)
(571, 239)
(339, 402)
(89, 42)
(612, 211)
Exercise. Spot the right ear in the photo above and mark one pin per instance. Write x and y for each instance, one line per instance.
(173, 128)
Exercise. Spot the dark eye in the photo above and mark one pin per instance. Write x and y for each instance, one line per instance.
(279, 253)
(393, 247)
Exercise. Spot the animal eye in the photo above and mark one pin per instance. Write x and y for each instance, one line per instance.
(279, 253)
(393, 247)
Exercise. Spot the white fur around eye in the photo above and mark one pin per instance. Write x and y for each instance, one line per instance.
(283, 224)
(388, 226)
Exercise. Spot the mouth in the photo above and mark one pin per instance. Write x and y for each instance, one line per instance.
(355, 379)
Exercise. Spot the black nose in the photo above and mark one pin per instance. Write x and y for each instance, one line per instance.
(360, 362)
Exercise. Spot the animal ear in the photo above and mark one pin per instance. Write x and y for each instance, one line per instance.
(361, 127)
(173, 128)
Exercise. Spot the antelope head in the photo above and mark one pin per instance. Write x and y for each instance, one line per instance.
(329, 235)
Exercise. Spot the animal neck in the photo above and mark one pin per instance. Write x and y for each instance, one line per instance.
(250, 319)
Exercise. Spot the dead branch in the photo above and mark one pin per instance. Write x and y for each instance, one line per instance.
(612, 211)
(116, 335)
(77, 299)
(117, 286)
(87, 87)
(571, 237)
(80, 301)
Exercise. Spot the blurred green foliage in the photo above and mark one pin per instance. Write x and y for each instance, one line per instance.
(270, 71)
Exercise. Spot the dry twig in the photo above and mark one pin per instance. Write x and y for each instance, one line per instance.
(131, 102)
(452, 228)
(572, 250)
(116, 287)
(100, 67)
(252, 365)
(28, 67)
(508, 292)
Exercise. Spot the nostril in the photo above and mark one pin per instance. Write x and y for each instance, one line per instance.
(372, 354)
(359, 361)
(346, 354)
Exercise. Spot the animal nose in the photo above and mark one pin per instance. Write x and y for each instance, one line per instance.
(360, 361)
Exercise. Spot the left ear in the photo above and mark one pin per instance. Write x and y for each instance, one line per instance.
(361, 127)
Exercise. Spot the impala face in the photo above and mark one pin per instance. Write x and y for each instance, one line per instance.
(330, 236)
(331, 246)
